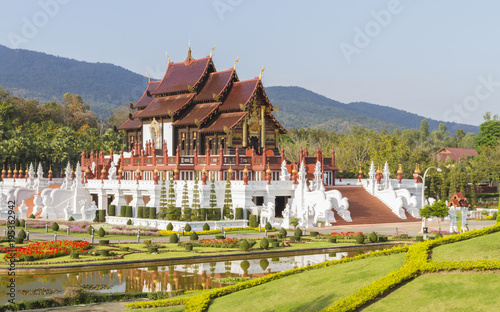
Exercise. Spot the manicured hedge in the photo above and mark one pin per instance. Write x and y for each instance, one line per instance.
(102, 215)
(128, 212)
(112, 210)
(253, 221)
(123, 211)
(140, 212)
(152, 212)
(239, 213)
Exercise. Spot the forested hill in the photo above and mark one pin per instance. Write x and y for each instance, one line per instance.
(36, 75)
(299, 107)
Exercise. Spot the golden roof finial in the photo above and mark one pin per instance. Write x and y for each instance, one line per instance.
(212, 51)
(236, 62)
(149, 78)
(189, 57)
(245, 170)
(260, 75)
(230, 169)
(168, 58)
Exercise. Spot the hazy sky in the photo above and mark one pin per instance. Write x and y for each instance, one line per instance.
(434, 58)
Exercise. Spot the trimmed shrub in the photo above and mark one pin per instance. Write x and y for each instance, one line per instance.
(272, 239)
(239, 213)
(219, 236)
(145, 212)
(140, 212)
(104, 242)
(360, 238)
(264, 243)
(438, 235)
(89, 230)
(187, 227)
(17, 223)
(152, 212)
(244, 245)
(152, 249)
(264, 263)
(245, 265)
(193, 236)
(128, 212)
(294, 238)
(283, 232)
(124, 248)
(101, 232)
(21, 234)
(332, 239)
(123, 211)
(382, 239)
(112, 210)
(19, 240)
(102, 215)
(129, 222)
(203, 214)
(275, 244)
(96, 219)
(189, 247)
(313, 233)
(419, 238)
(206, 227)
(268, 227)
(32, 216)
(71, 218)
(298, 232)
(170, 227)
(55, 226)
(105, 252)
(253, 221)
(29, 258)
(23, 223)
(174, 239)
(373, 237)
(74, 255)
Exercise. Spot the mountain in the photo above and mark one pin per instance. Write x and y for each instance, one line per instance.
(36, 75)
(299, 107)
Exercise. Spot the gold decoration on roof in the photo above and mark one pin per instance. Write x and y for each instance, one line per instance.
(212, 51)
(120, 170)
(236, 62)
(260, 75)
(15, 168)
(149, 78)
(138, 169)
(417, 169)
(230, 170)
(168, 58)
(400, 170)
(103, 170)
(204, 170)
(245, 170)
(156, 170)
(268, 169)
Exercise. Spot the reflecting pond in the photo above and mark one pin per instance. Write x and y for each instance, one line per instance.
(186, 276)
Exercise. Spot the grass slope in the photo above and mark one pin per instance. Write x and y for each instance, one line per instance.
(309, 291)
(479, 248)
(444, 292)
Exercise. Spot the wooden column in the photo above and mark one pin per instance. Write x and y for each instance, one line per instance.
(263, 126)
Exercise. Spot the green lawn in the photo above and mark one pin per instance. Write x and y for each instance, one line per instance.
(311, 290)
(444, 292)
(479, 248)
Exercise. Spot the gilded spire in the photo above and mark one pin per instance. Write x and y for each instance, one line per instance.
(260, 75)
(168, 58)
(212, 51)
(149, 78)
(189, 57)
(236, 62)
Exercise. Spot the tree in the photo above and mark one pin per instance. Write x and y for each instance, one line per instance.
(213, 196)
(489, 134)
(424, 130)
(186, 210)
(228, 200)
(196, 193)
(171, 211)
(438, 210)
(163, 200)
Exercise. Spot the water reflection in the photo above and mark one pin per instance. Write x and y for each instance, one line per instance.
(196, 276)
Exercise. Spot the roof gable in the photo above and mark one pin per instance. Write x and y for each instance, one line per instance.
(179, 77)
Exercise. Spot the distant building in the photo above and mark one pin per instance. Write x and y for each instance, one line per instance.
(456, 154)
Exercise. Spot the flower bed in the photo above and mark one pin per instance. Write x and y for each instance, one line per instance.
(45, 250)
(218, 243)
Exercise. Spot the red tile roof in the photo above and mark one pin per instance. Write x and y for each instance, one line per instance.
(226, 120)
(198, 114)
(216, 83)
(134, 123)
(164, 106)
(241, 93)
(181, 75)
(456, 154)
(147, 97)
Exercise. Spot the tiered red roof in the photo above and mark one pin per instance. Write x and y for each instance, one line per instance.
(224, 121)
(180, 76)
(216, 83)
(147, 97)
(164, 106)
(131, 124)
(456, 154)
(198, 114)
(458, 200)
(241, 93)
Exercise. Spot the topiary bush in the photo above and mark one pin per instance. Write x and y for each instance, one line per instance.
(170, 227)
(187, 228)
(55, 227)
(188, 247)
(298, 232)
(253, 221)
(313, 233)
(129, 222)
(264, 263)
(244, 245)
(206, 227)
(382, 239)
(19, 241)
(268, 227)
(283, 232)
(32, 216)
(152, 212)
(294, 238)
(105, 252)
(360, 238)
(373, 237)
(102, 215)
(21, 234)
(71, 218)
(112, 210)
(123, 211)
(145, 212)
(128, 212)
(89, 230)
(153, 249)
(174, 239)
(140, 212)
(17, 223)
(96, 219)
(239, 213)
(438, 235)
(332, 239)
(74, 255)
(101, 232)
(275, 244)
(23, 222)
(193, 236)
(264, 243)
